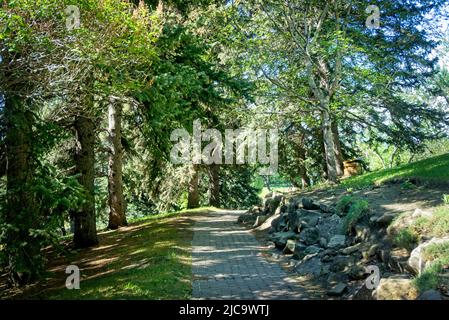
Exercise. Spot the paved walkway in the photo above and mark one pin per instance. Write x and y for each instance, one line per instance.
(228, 264)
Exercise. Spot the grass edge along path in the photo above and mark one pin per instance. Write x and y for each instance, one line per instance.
(149, 259)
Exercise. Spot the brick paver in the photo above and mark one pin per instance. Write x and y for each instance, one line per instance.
(228, 263)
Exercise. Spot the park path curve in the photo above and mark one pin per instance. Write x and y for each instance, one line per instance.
(227, 263)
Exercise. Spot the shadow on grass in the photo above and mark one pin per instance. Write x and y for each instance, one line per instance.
(150, 259)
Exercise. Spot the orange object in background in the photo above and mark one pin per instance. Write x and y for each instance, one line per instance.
(352, 168)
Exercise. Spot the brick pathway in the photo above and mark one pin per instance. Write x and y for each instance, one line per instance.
(227, 263)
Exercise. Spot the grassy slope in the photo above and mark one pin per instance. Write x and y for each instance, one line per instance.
(434, 169)
(150, 259)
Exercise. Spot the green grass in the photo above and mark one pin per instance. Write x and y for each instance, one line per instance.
(357, 210)
(434, 169)
(431, 278)
(436, 226)
(405, 238)
(150, 259)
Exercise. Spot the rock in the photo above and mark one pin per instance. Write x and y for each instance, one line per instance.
(406, 220)
(310, 236)
(337, 290)
(270, 224)
(371, 252)
(341, 263)
(357, 273)
(303, 219)
(327, 209)
(431, 295)
(396, 259)
(310, 266)
(417, 261)
(395, 288)
(335, 278)
(312, 250)
(383, 220)
(255, 210)
(272, 203)
(351, 249)
(247, 219)
(293, 205)
(259, 221)
(280, 238)
(331, 226)
(323, 242)
(295, 247)
(362, 293)
(337, 241)
(278, 223)
(362, 233)
(309, 204)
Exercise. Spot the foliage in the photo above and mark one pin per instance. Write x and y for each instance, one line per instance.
(446, 198)
(358, 210)
(430, 278)
(405, 239)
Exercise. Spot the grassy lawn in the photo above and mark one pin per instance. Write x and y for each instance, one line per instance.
(434, 169)
(150, 259)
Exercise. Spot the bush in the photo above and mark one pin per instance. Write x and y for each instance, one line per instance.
(358, 209)
(344, 204)
(438, 254)
(406, 239)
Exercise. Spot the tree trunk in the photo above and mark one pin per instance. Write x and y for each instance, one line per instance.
(337, 148)
(117, 215)
(21, 212)
(194, 196)
(329, 147)
(214, 185)
(85, 234)
(301, 154)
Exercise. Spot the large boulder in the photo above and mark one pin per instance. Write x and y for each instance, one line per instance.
(311, 266)
(342, 263)
(337, 241)
(431, 295)
(260, 220)
(309, 204)
(296, 248)
(310, 236)
(337, 290)
(418, 261)
(396, 288)
(293, 204)
(271, 204)
(280, 238)
(302, 219)
(331, 226)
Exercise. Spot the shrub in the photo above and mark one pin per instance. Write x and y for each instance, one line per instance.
(357, 210)
(406, 239)
(446, 199)
(344, 204)
(438, 254)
